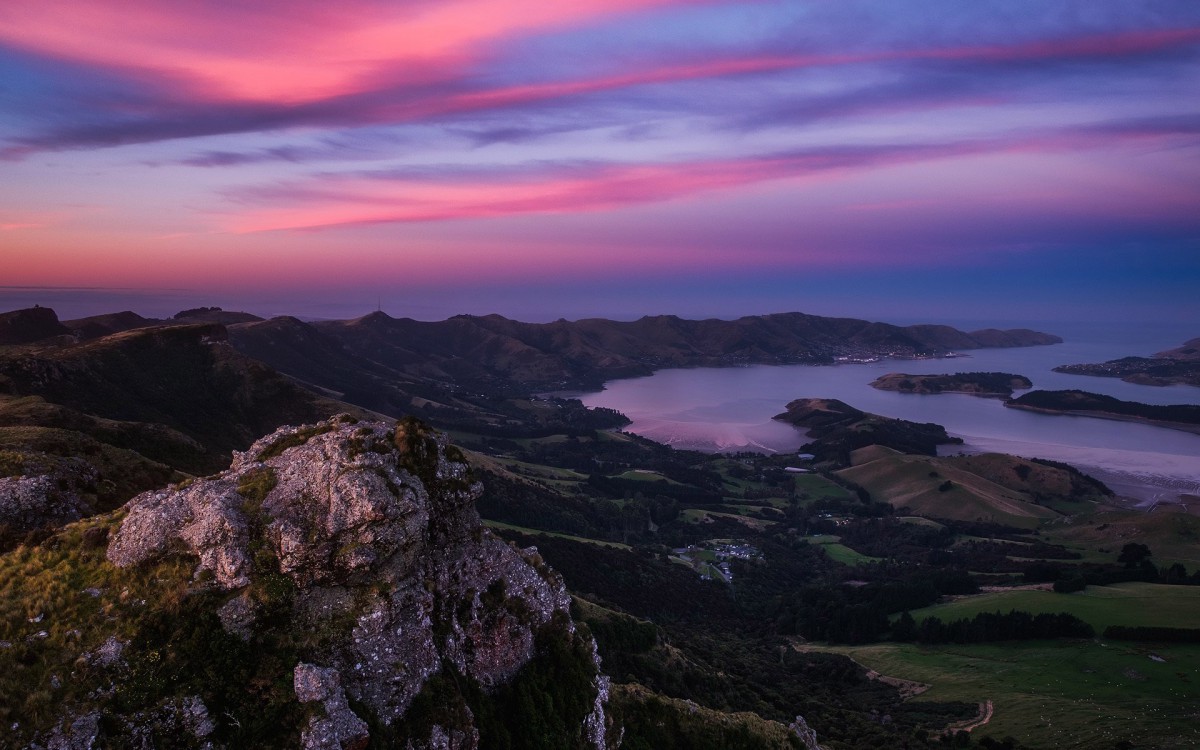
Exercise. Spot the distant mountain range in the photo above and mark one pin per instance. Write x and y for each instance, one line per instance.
(495, 354)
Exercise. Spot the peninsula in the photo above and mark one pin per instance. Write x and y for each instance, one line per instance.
(1180, 365)
(1184, 417)
(838, 429)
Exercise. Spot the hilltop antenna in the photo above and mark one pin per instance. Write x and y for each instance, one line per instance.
(378, 304)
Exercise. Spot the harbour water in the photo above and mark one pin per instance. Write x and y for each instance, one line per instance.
(730, 409)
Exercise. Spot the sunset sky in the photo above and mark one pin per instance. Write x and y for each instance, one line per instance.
(1017, 160)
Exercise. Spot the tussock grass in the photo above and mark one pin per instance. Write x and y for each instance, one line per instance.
(60, 600)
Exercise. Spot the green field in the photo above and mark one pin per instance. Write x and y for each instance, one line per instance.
(644, 475)
(698, 515)
(1100, 606)
(837, 551)
(819, 488)
(1058, 694)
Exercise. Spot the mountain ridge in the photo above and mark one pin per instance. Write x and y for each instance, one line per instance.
(525, 357)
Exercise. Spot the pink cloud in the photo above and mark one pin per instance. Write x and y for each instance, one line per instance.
(282, 51)
(355, 201)
(255, 67)
(340, 201)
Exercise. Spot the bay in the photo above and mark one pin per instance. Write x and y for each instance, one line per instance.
(730, 409)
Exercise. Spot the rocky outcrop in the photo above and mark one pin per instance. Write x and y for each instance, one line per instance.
(389, 580)
(806, 734)
(30, 502)
(339, 727)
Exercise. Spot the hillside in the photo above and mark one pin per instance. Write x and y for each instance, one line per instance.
(1171, 532)
(993, 488)
(185, 377)
(85, 426)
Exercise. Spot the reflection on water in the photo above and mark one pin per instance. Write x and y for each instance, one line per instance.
(722, 409)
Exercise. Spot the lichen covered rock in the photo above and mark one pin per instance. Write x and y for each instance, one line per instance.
(339, 727)
(351, 555)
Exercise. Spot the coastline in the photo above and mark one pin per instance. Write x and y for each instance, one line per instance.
(1182, 426)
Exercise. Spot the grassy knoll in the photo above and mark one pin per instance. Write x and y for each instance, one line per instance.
(837, 551)
(1100, 606)
(816, 487)
(61, 599)
(534, 532)
(1058, 694)
(935, 487)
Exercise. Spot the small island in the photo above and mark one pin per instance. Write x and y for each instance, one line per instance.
(986, 384)
(838, 428)
(1178, 366)
(1184, 417)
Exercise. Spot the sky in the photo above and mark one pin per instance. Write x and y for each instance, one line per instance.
(1026, 160)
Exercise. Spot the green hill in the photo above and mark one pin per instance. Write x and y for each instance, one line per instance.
(947, 488)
